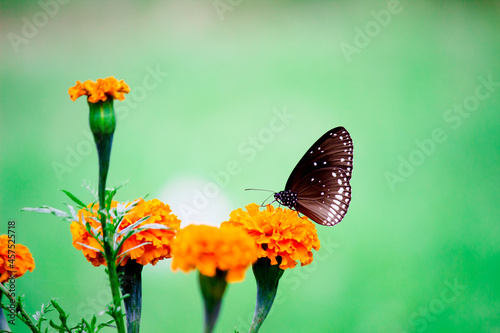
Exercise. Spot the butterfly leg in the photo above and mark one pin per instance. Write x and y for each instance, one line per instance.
(263, 204)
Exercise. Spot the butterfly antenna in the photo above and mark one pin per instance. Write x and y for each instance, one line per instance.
(258, 189)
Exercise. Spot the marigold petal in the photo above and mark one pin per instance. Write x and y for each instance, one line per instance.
(100, 90)
(76, 91)
(211, 249)
(156, 243)
(278, 232)
(17, 266)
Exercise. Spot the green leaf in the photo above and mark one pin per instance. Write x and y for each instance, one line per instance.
(72, 211)
(135, 247)
(109, 323)
(89, 247)
(75, 199)
(47, 210)
(109, 197)
(40, 315)
(85, 326)
(63, 317)
(133, 225)
(110, 193)
(53, 325)
(153, 226)
(57, 306)
(91, 190)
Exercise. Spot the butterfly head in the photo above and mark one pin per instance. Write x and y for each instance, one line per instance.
(287, 198)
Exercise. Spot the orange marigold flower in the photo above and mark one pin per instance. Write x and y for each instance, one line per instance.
(209, 249)
(100, 90)
(278, 232)
(158, 240)
(10, 266)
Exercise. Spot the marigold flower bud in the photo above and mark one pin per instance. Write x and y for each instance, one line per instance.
(102, 119)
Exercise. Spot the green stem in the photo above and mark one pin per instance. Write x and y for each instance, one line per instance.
(115, 292)
(267, 277)
(4, 327)
(108, 248)
(212, 290)
(131, 286)
(102, 124)
(20, 312)
(104, 151)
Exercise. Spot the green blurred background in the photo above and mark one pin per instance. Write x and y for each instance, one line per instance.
(418, 250)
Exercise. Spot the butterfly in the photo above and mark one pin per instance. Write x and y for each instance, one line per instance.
(318, 186)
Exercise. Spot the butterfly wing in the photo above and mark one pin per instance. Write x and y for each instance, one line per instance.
(332, 150)
(324, 197)
(321, 178)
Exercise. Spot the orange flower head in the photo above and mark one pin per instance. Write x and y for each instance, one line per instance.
(10, 266)
(211, 249)
(158, 241)
(278, 232)
(100, 90)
